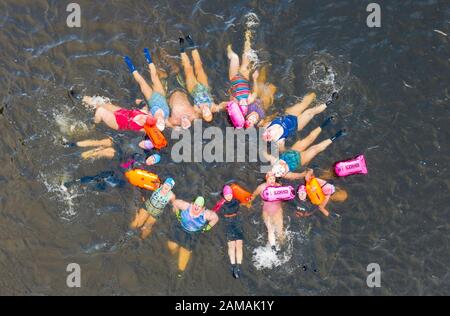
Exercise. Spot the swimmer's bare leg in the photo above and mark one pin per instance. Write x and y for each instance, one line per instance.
(239, 251)
(309, 114)
(191, 80)
(234, 62)
(139, 219)
(313, 151)
(298, 108)
(232, 251)
(278, 224)
(304, 143)
(270, 229)
(198, 67)
(183, 259)
(157, 85)
(98, 153)
(146, 229)
(106, 142)
(245, 67)
(146, 90)
(173, 247)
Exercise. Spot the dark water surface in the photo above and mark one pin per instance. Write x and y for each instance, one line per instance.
(394, 84)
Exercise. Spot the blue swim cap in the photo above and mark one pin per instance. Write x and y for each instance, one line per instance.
(157, 158)
(170, 182)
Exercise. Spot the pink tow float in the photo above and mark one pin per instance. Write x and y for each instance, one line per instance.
(350, 167)
(282, 193)
(236, 114)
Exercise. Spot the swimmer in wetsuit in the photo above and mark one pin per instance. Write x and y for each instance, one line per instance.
(230, 211)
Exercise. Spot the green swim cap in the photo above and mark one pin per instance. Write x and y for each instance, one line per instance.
(200, 201)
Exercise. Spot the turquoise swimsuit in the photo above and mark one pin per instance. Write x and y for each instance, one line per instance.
(292, 158)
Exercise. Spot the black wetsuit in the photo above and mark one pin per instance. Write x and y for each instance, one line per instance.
(231, 217)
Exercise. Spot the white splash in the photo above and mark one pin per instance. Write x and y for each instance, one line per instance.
(69, 126)
(266, 258)
(62, 194)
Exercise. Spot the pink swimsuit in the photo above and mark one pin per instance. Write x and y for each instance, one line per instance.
(270, 208)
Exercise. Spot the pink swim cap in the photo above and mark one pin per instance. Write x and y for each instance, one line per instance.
(227, 190)
(328, 189)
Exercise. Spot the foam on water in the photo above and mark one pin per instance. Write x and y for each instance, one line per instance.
(69, 126)
(323, 76)
(265, 258)
(59, 192)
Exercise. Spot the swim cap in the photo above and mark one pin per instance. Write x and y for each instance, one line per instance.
(227, 190)
(157, 158)
(160, 124)
(170, 182)
(200, 201)
(257, 108)
(148, 144)
(279, 170)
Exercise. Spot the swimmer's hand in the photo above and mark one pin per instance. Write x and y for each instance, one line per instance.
(207, 228)
(248, 204)
(301, 212)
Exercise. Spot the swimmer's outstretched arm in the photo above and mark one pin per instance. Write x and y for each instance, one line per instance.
(295, 175)
(281, 145)
(269, 157)
(322, 207)
(254, 95)
(219, 107)
(173, 198)
(169, 125)
(179, 205)
(211, 217)
(257, 192)
(145, 107)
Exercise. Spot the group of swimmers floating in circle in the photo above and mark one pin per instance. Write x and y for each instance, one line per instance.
(252, 95)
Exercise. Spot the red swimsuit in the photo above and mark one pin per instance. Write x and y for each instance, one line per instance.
(125, 119)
